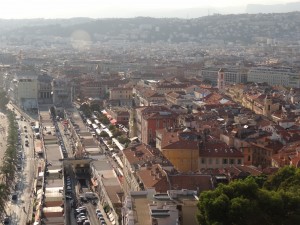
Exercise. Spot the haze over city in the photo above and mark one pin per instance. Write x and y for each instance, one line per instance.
(18, 9)
(128, 112)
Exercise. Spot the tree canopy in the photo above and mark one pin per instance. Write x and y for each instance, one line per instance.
(244, 202)
(3, 100)
(8, 167)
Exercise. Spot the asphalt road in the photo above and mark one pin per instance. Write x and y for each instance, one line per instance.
(92, 214)
(25, 178)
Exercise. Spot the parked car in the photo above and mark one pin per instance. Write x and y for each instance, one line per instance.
(83, 218)
(14, 197)
(6, 220)
(99, 215)
(68, 197)
(81, 214)
(86, 222)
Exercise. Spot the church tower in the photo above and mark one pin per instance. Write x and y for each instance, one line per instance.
(268, 105)
(221, 80)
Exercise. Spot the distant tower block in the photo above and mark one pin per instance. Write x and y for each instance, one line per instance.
(221, 81)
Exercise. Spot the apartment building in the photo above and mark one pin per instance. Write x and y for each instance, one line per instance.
(179, 98)
(24, 92)
(120, 97)
(145, 96)
(165, 87)
(149, 119)
(283, 76)
(120, 93)
(61, 90)
(217, 154)
(44, 88)
(232, 75)
(181, 148)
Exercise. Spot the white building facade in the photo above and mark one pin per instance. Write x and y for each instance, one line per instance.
(283, 76)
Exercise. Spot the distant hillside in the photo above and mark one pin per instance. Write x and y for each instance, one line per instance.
(228, 28)
(278, 8)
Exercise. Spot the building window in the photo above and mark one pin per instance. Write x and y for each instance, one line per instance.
(210, 161)
(203, 160)
(217, 161)
(239, 161)
(231, 161)
(249, 158)
(224, 161)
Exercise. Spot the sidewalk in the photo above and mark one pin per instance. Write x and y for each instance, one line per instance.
(3, 135)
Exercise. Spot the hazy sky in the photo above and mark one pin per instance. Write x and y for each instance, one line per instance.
(108, 8)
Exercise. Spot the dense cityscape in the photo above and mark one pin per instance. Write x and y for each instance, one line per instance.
(150, 121)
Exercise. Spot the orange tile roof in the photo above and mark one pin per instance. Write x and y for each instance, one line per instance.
(218, 148)
(191, 182)
(154, 177)
(138, 153)
(172, 140)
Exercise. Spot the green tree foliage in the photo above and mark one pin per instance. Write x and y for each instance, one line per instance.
(111, 127)
(123, 140)
(8, 167)
(85, 108)
(95, 107)
(247, 202)
(116, 133)
(286, 179)
(103, 134)
(3, 100)
(103, 119)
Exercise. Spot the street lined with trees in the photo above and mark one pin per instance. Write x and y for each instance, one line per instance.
(9, 161)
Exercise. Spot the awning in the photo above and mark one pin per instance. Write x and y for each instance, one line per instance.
(119, 161)
(111, 217)
(98, 131)
(113, 121)
(94, 182)
(94, 126)
(108, 132)
(41, 174)
(118, 144)
(120, 171)
(133, 139)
